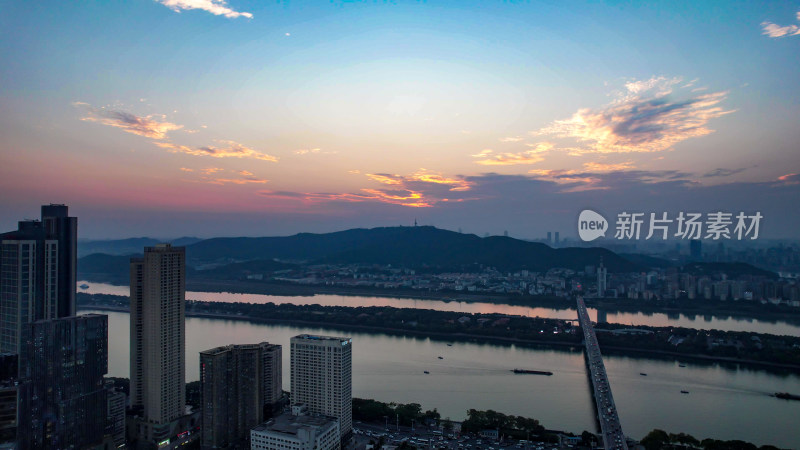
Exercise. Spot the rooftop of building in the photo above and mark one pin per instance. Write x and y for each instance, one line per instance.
(312, 337)
(290, 424)
(80, 318)
(226, 348)
(164, 248)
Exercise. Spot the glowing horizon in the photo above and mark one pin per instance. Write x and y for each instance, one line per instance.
(330, 116)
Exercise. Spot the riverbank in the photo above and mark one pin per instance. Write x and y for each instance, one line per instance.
(739, 310)
(565, 340)
(442, 336)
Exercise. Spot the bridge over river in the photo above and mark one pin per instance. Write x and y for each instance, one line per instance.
(606, 409)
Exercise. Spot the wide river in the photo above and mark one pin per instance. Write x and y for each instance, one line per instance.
(723, 403)
(705, 322)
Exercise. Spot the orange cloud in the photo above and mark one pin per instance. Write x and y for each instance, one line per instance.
(244, 177)
(603, 167)
(393, 180)
(789, 179)
(248, 180)
(437, 178)
(421, 189)
(483, 153)
(230, 149)
(533, 156)
(145, 126)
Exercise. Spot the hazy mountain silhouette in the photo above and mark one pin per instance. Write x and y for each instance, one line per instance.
(405, 246)
(126, 246)
(413, 247)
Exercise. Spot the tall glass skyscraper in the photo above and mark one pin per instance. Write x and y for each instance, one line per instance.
(62, 397)
(38, 265)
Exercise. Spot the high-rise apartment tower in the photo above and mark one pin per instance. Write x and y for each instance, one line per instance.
(240, 385)
(158, 338)
(321, 368)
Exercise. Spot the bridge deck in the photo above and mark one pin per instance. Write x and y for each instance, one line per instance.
(606, 409)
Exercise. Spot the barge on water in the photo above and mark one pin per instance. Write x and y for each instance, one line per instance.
(787, 396)
(532, 372)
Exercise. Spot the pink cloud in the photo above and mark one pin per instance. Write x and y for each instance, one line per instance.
(145, 126)
(776, 31)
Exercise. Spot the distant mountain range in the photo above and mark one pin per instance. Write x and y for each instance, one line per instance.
(413, 247)
(407, 247)
(422, 248)
(126, 246)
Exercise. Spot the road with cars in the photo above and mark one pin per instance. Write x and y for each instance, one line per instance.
(610, 428)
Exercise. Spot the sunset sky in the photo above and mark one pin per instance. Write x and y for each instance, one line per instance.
(209, 118)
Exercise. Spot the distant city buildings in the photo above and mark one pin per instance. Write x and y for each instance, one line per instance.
(655, 284)
(157, 356)
(240, 386)
(321, 377)
(696, 249)
(553, 238)
(62, 396)
(602, 274)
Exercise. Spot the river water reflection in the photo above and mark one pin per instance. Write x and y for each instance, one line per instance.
(779, 327)
(724, 402)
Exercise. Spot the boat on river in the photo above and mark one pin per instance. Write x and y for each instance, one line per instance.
(532, 372)
(787, 396)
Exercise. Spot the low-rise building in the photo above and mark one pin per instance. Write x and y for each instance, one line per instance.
(296, 432)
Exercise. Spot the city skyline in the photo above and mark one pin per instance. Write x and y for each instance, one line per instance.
(64, 360)
(243, 118)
